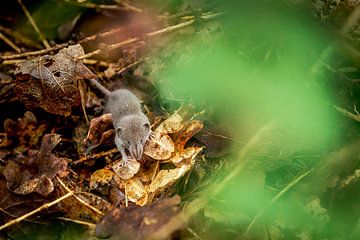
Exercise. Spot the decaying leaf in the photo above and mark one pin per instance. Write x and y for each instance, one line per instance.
(128, 170)
(182, 137)
(26, 130)
(14, 204)
(187, 154)
(171, 125)
(100, 130)
(37, 174)
(100, 177)
(51, 82)
(135, 192)
(166, 178)
(160, 146)
(137, 222)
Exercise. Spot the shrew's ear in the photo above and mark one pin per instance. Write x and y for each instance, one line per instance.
(119, 130)
(147, 126)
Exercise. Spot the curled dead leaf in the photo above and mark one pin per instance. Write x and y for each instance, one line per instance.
(27, 130)
(172, 124)
(166, 178)
(128, 170)
(135, 192)
(37, 174)
(42, 185)
(188, 153)
(160, 146)
(98, 127)
(100, 178)
(184, 136)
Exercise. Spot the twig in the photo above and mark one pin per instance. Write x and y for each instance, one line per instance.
(38, 52)
(90, 225)
(18, 37)
(131, 7)
(101, 35)
(93, 5)
(63, 45)
(151, 34)
(45, 206)
(33, 24)
(105, 6)
(111, 47)
(78, 198)
(356, 117)
(275, 199)
(95, 62)
(95, 156)
(129, 66)
(12, 62)
(10, 43)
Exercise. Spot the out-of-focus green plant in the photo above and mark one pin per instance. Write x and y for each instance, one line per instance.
(257, 71)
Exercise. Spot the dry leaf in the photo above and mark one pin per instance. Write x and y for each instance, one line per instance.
(100, 178)
(51, 81)
(171, 125)
(160, 146)
(135, 192)
(37, 174)
(187, 153)
(166, 178)
(184, 136)
(26, 130)
(98, 126)
(128, 170)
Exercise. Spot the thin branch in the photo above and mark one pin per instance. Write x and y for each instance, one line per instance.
(78, 198)
(128, 6)
(34, 25)
(89, 225)
(95, 156)
(110, 47)
(151, 34)
(101, 35)
(10, 43)
(94, 5)
(38, 52)
(19, 38)
(45, 206)
(346, 113)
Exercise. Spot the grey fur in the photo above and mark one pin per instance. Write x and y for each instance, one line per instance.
(131, 125)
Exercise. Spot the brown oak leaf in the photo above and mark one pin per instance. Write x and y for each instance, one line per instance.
(51, 81)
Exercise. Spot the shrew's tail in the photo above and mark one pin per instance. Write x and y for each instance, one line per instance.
(100, 87)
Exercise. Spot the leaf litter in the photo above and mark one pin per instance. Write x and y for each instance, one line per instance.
(89, 185)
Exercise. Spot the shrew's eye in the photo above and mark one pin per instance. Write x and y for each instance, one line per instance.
(128, 143)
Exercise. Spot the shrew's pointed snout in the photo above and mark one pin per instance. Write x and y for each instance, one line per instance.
(137, 151)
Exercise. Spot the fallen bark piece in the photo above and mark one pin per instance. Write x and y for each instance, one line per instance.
(137, 222)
